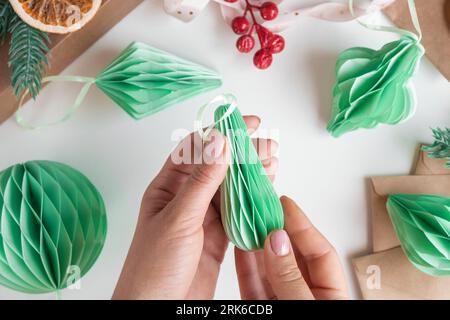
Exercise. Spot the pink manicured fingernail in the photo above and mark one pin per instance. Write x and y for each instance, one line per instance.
(279, 242)
(214, 147)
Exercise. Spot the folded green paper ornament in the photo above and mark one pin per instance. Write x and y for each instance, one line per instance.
(250, 207)
(52, 226)
(422, 224)
(142, 81)
(374, 86)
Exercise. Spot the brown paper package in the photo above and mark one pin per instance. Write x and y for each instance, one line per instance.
(398, 278)
(430, 177)
(383, 234)
(435, 25)
(65, 49)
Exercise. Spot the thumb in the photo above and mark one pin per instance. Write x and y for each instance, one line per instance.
(282, 270)
(196, 194)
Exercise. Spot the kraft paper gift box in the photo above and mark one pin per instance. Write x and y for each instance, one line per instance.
(64, 49)
(388, 274)
(434, 16)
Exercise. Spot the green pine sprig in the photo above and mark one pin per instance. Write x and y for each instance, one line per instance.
(27, 56)
(6, 13)
(440, 149)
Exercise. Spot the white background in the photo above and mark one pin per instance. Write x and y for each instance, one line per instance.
(327, 176)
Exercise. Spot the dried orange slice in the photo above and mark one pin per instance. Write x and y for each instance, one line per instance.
(56, 16)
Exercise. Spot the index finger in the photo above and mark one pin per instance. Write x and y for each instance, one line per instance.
(173, 175)
(325, 273)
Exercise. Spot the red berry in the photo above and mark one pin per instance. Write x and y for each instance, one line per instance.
(265, 36)
(269, 10)
(276, 44)
(240, 25)
(245, 43)
(263, 59)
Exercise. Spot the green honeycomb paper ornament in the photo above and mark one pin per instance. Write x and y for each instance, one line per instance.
(250, 207)
(374, 86)
(52, 226)
(142, 80)
(422, 224)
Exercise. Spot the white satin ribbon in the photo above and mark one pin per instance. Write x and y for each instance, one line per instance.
(337, 11)
(225, 99)
(185, 10)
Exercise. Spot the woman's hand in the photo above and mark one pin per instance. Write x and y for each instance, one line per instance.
(179, 243)
(298, 263)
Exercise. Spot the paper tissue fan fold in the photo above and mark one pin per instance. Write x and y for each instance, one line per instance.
(52, 226)
(250, 207)
(374, 86)
(422, 224)
(144, 80)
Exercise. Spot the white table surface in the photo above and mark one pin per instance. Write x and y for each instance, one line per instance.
(327, 176)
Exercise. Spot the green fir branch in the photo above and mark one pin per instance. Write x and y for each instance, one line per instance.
(6, 13)
(440, 149)
(27, 57)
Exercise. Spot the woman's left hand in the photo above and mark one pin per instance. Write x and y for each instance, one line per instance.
(179, 243)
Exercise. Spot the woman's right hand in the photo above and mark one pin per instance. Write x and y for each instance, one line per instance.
(296, 264)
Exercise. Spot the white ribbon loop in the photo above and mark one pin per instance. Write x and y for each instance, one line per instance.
(225, 99)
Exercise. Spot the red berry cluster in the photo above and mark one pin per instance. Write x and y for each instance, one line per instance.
(270, 43)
